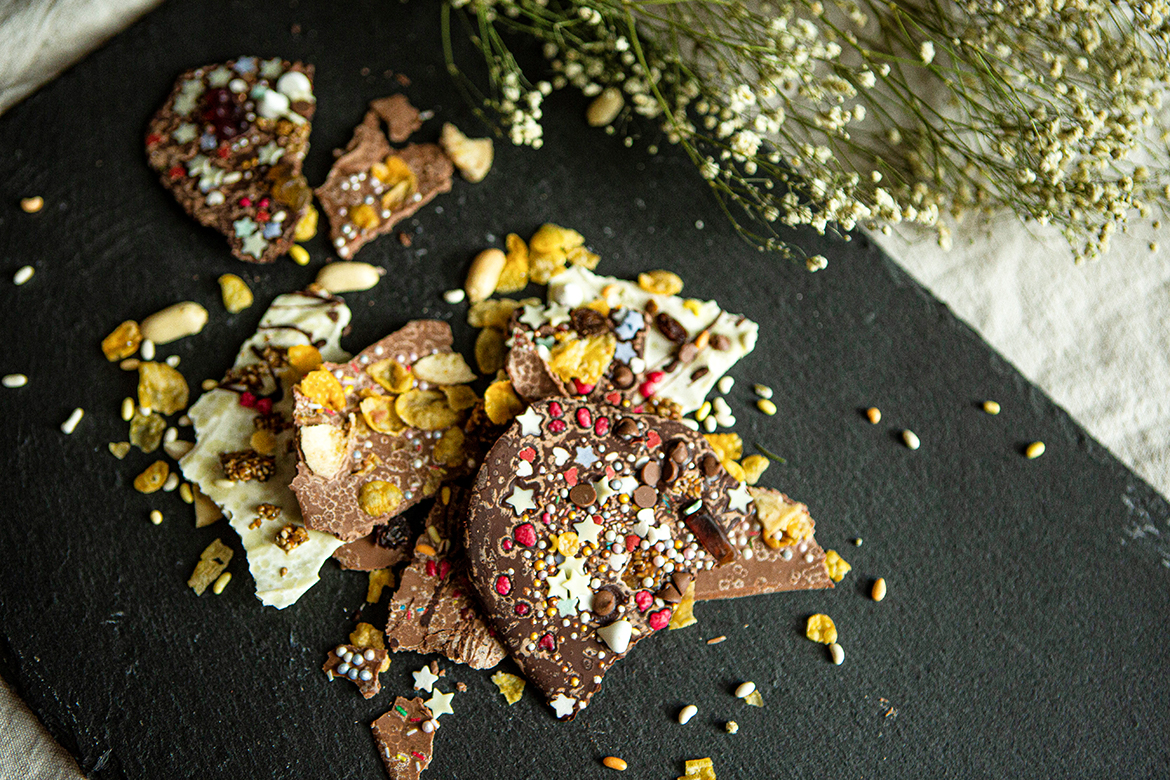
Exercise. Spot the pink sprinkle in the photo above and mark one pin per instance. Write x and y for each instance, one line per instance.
(444, 569)
(527, 454)
(644, 599)
(584, 418)
(503, 585)
(546, 518)
(601, 427)
(660, 619)
(522, 609)
(555, 409)
(507, 545)
(245, 201)
(526, 534)
(548, 642)
(614, 398)
(571, 477)
(631, 542)
(652, 437)
(264, 203)
(247, 400)
(557, 426)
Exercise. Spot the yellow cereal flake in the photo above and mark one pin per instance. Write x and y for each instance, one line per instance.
(754, 467)
(583, 359)
(820, 628)
(660, 282)
(727, 446)
(426, 410)
(161, 388)
(304, 358)
(599, 305)
(460, 397)
(119, 449)
(307, 226)
(236, 294)
(379, 579)
(694, 306)
(146, 431)
(838, 567)
(542, 267)
(122, 342)
(367, 634)
(379, 413)
(568, 544)
(321, 387)
(494, 312)
(449, 449)
(501, 402)
(684, 611)
(735, 470)
(153, 477)
(699, 769)
(784, 523)
(365, 217)
(490, 351)
(549, 250)
(392, 375)
(378, 498)
(554, 238)
(403, 183)
(511, 686)
(583, 257)
(754, 699)
(443, 368)
(514, 277)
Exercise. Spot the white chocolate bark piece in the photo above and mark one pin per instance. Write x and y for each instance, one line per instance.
(577, 285)
(223, 424)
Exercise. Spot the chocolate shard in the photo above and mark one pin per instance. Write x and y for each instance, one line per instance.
(767, 564)
(361, 462)
(711, 535)
(359, 665)
(229, 144)
(564, 633)
(435, 609)
(373, 186)
(365, 554)
(404, 744)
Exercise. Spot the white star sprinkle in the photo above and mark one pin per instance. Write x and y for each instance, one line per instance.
(184, 133)
(566, 606)
(270, 153)
(587, 530)
(585, 456)
(255, 245)
(271, 69)
(557, 314)
(521, 500)
(533, 317)
(603, 490)
(529, 422)
(578, 588)
(574, 566)
(425, 679)
(219, 77)
(556, 583)
(440, 703)
(740, 498)
(563, 705)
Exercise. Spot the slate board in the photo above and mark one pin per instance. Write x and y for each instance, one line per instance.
(1025, 630)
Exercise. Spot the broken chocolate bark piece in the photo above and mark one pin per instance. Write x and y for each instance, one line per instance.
(374, 438)
(366, 554)
(567, 568)
(776, 554)
(373, 186)
(229, 144)
(435, 609)
(404, 743)
(359, 665)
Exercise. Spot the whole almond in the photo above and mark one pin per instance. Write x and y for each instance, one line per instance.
(344, 276)
(174, 322)
(484, 274)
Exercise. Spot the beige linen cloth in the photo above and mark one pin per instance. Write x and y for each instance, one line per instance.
(1093, 337)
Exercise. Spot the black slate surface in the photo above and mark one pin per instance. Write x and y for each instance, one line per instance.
(1025, 629)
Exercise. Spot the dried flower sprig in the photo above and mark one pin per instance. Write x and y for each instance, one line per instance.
(839, 113)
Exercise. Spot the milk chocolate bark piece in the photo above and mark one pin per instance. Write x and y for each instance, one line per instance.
(365, 554)
(580, 352)
(359, 665)
(362, 464)
(763, 567)
(404, 745)
(553, 513)
(229, 143)
(373, 186)
(435, 609)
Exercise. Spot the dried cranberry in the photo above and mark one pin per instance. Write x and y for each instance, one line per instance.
(221, 111)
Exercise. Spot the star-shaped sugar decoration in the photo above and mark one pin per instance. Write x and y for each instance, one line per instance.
(587, 530)
(645, 521)
(199, 165)
(212, 179)
(557, 314)
(219, 77)
(245, 65)
(573, 566)
(562, 705)
(624, 352)
(271, 69)
(255, 245)
(270, 153)
(533, 316)
(440, 703)
(184, 133)
(556, 583)
(566, 606)
(521, 500)
(529, 422)
(602, 489)
(425, 679)
(244, 227)
(626, 485)
(631, 323)
(578, 588)
(585, 456)
(740, 498)
(188, 96)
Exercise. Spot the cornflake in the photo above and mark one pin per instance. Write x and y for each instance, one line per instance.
(501, 402)
(322, 388)
(161, 388)
(490, 351)
(146, 431)
(820, 628)
(699, 769)
(378, 497)
(122, 342)
(426, 410)
(754, 467)
(514, 277)
(660, 282)
(511, 686)
(237, 296)
(838, 567)
(379, 579)
(367, 635)
(153, 477)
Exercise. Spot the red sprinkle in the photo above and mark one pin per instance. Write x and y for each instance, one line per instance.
(263, 216)
(177, 172)
(584, 418)
(247, 400)
(153, 139)
(614, 398)
(522, 608)
(444, 569)
(245, 201)
(432, 570)
(507, 545)
(557, 426)
(546, 518)
(555, 409)
(581, 388)
(644, 599)
(525, 534)
(503, 585)
(632, 542)
(548, 642)
(660, 619)
(264, 203)
(601, 427)
(264, 405)
(418, 755)
(571, 477)
(527, 454)
(222, 152)
(652, 438)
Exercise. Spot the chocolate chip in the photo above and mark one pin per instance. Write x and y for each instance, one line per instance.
(699, 373)
(670, 328)
(587, 322)
(650, 473)
(645, 496)
(720, 342)
(670, 594)
(682, 580)
(603, 603)
(623, 377)
(688, 352)
(627, 429)
(710, 465)
(671, 472)
(679, 452)
(583, 495)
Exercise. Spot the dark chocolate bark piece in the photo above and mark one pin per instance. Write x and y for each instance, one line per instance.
(359, 665)
(373, 185)
(767, 562)
(361, 463)
(229, 143)
(404, 742)
(435, 609)
(570, 570)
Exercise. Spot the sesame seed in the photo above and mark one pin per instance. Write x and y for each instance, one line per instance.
(763, 391)
(14, 380)
(170, 435)
(209, 384)
(991, 407)
(1034, 450)
(22, 275)
(745, 690)
(156, 517)
(127, 409)
(837, 653)
(879, 589)
(186, 493)
(454, 296)
(70, 425)
(221, 583)
(146, 349)
(686, 713)
(911, 439)
(173, 361)
(766, 406)
(171, 483)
